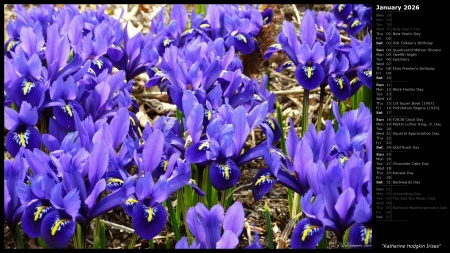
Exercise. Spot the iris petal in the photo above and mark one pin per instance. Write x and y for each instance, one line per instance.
(271, 50)
(360, 235)
(113, 180)
(307, 234)
(309, 76)
(341, 11)
(263, 181)
(366, 77)
(196, 153)
(64, 115)
(244, 43)
(28, 137)
(129, 204)
(33, 216)
(340, 86)
(25, 89)
(224, 175)
(57, 229)
(354, 26)
(149, 221)
(285, 65)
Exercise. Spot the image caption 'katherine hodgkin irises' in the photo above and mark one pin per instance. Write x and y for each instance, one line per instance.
(82, 161)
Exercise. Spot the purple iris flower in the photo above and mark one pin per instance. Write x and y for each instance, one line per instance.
(278, 171)
(342, 11)
(14, 172)
(309, 231)
(307, 55)
(267, 15)
(64, 103)
(360, 17)
(238, 28)
(320, 143)
(136, 55)
(37, 201)
(361, 231)
(304, 153)
(184, 244)
(199, 28)
(206, 225)
(338, 82)
(353, 130)
(30, 84)
(339, 203)
(190, 69)
(225, 139)
(149, 216)
(360, 57)
(22, 130)
(59, 224)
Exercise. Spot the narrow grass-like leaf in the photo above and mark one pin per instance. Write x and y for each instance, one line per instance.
(290, 201)
(367, 97)
(132, 241)
(201, 8)
(102, 235)
(180, 119)
(280, 122)
(96, 242)
(305, 111)
(173, 219)
(168, 241)
(268, 226)
(41, 243)
(20, 243)
(346, 244)
(78, 237)
(180, 204)
(150, 244)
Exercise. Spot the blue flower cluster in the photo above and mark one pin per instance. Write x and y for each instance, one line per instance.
(79, 151)
(68, 76)
(321, 58)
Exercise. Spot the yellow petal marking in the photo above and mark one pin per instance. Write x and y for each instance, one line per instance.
(36, 216)
(56, 226)
(305, 233)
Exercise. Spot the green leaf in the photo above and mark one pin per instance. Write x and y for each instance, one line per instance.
(133, 241)
(96, 242)
(346, 244)
(19, 237)
(150, 244)
(167, 241)
(180, 119)
(291, 201)
(268, 226)
(280, 122)
(102, 235)
(200, 8)
(173, 219)
(305, 111)
(78, 238)
(41, 243)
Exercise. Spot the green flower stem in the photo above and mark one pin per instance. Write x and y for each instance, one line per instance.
(319, 118)
(17, 237)
(305, 111)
